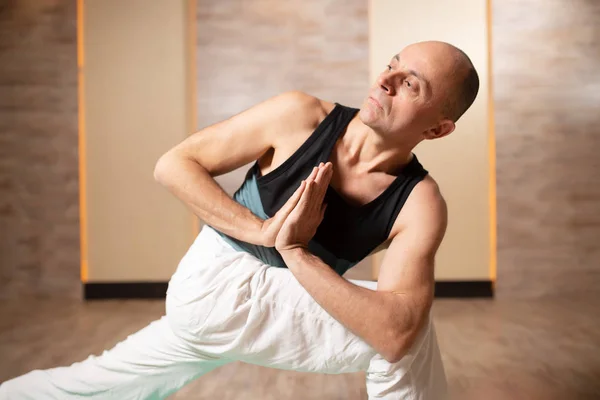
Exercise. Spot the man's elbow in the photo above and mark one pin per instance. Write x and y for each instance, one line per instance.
(163, 168)
(397, 350)
(400, 340)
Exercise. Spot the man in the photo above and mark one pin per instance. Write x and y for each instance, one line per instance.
(329, 185)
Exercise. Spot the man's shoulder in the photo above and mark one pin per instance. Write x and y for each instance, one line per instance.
(303, 106)
(426, 199)
(299, 114)
(428, 190)
(427, 205)
(425, 208)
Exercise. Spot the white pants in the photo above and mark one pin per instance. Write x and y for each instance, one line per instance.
(224, 305)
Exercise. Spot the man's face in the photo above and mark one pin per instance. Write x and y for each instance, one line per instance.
(408, 96)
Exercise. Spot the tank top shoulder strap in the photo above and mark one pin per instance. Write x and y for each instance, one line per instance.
(327, 132)
(317, 147)
(330, 130)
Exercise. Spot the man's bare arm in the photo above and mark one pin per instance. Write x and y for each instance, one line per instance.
(390, 318)
(188, 170)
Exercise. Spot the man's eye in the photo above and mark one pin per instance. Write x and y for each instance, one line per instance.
(389, 67)
(408, 84)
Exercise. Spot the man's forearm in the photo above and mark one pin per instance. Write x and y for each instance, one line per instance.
(379, 318)
(193, 185)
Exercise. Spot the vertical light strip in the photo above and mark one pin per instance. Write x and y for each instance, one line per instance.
(492, 152)
(83, 247)
(191, 85)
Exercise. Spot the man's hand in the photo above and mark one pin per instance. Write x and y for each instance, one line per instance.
(302, 222)
(272, 226)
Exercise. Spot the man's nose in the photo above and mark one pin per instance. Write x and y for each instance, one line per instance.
(386, 84)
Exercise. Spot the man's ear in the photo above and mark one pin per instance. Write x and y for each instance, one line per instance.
(443, 128)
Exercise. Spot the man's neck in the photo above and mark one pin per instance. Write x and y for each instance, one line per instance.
(369, 152)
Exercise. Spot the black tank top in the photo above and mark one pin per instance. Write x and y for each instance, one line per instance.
(348, 233)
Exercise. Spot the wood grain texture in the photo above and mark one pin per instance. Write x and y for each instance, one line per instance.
(39, 199)
(547, 92)
(499, 350)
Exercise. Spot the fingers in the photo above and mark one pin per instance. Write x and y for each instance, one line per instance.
(313, 174)
(315, 187)
(321, 173)
(298, 193)
(323, 178)
(307, 201)
(317, 175)
(324, 174)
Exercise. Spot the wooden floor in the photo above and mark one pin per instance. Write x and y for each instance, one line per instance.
(492, 349)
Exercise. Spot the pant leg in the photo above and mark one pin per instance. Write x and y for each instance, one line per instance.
(419, 375)
(231, 304)
(149, 364)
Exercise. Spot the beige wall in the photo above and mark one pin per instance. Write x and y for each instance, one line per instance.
(136, 106)
(461, 162)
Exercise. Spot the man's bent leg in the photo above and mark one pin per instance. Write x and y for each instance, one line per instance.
(252, 312)
(150, 364)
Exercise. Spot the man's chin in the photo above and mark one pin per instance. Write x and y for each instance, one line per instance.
(368, 115)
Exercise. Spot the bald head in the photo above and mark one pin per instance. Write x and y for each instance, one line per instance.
(466, 85)
(463, 79)
(456, 79)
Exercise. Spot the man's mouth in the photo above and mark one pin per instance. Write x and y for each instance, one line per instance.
(375, 103)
